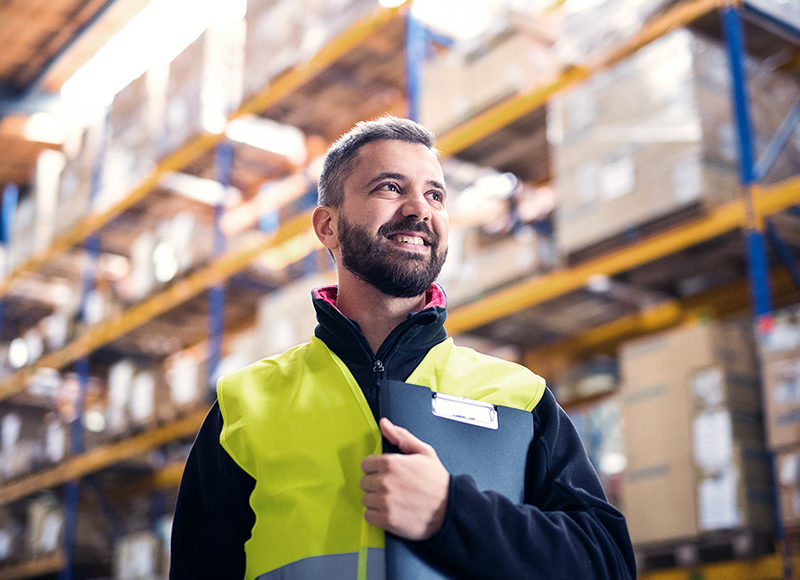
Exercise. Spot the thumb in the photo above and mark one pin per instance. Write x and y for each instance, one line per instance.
(403, 438)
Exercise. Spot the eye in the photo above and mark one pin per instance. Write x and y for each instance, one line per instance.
(437, 196)
(388, 186)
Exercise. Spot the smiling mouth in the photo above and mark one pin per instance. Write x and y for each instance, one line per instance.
(408, 240)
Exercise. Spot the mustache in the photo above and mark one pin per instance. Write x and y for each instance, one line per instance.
(409, 224)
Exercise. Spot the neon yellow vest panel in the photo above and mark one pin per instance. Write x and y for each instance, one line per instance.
(299, 424)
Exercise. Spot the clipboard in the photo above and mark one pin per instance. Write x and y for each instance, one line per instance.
(487, 442)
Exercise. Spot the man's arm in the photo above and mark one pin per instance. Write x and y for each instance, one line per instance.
(213, 518)
(565, 528)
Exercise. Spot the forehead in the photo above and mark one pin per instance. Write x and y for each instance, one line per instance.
(412, 160)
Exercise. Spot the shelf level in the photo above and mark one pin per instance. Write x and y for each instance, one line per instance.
(101, 457)
(734, 215)
(50, 564)
(280, 88)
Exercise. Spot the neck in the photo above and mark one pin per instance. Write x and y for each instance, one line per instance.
(376, 313)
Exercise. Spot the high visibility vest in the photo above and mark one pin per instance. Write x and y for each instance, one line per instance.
(299, 424)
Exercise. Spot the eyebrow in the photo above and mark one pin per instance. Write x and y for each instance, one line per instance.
(401, 177)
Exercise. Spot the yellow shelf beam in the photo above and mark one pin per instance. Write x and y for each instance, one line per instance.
(767, 200)
(768, 567)
(280, 88)
(516, 107)
(49, 564)
(299, 75)
(728, 299)
(182, 290)
(101, 457)
(523, 295)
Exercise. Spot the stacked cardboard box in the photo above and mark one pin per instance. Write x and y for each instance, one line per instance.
(135, 127)
(693, 433)
(22, 437)
(787, 11)
(483, 263)
(204, 85)
(44, 529)
(136, 556)
(590, 29)
(653, 136)
(185, 375)
(138, 397)
(463, 82)
(779, 346)
(283, 33)
(12, 525)
(82, 153)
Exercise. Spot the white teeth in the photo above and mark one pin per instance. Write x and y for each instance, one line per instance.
(409, 240)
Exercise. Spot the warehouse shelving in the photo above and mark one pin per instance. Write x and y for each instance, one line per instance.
(523, 295)
(733, 216)
(768, 200)
(280, 88)
(34, 568)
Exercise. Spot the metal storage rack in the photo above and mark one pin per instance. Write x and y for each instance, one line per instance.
(746, 214)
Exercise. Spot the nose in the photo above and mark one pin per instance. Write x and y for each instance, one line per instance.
(416, 204)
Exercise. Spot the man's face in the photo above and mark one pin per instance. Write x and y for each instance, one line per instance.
(393, 226)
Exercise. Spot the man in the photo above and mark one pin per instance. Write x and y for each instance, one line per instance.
(286, 478)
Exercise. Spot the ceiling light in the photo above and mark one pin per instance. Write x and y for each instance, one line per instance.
(271, 136)
(156, 35)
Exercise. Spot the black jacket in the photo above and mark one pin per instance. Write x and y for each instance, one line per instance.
(565, 529)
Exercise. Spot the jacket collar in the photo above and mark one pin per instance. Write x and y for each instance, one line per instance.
(410, 340)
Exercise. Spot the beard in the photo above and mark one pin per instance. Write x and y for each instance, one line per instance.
(392, 271)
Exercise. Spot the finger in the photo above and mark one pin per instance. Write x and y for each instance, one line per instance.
(403, 438)
(373, 501)
(372, 464)
(389, 430)
(375, 517)
(372, 483)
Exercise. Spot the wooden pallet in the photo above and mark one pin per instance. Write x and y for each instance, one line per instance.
(638, 232)
(704, 549)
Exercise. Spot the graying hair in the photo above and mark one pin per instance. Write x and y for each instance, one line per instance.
(341, 157)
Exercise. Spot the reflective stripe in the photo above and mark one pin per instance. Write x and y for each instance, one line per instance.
(334, 566)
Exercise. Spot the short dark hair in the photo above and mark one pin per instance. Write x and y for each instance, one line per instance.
(340, 159)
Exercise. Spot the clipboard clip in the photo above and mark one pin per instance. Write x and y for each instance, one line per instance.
(465, 410)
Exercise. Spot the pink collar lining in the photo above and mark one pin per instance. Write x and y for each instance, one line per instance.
(433, 297)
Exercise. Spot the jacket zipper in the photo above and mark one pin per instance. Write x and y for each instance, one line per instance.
(378, 369)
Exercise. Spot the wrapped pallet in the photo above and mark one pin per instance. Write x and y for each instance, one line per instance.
(654, 136)
(696, 459)
(204, 85)
(135, 127)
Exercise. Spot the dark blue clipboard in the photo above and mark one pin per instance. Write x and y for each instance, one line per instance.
(494, 458)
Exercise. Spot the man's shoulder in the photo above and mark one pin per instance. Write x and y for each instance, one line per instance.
(276, 363)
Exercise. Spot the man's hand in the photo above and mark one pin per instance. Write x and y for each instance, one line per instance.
(405, 493)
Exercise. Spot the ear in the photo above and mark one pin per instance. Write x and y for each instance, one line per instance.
(324, 222)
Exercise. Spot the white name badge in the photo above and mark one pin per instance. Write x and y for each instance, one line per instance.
(465, 410)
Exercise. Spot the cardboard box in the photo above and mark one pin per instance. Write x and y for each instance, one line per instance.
(462, 83)
(484, 269)
(589, 29)
(136, 556)
(44, 529)
(292, 33)
(204, 85)
(737, 495)
(693, 433)
(83, 152)
(669, 377)
(676, 501)
(781, 375)
(135, 127)
(660, 501)
(667, 147)
(788, 475)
